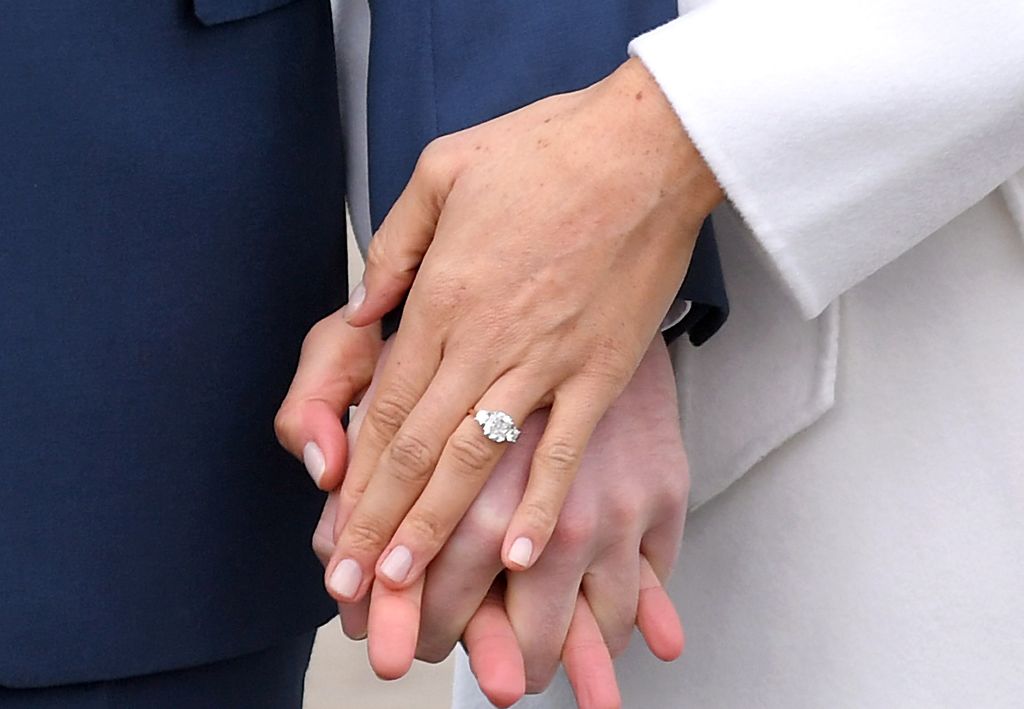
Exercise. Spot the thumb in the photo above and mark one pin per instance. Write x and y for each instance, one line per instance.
(398, 247)
(334, 368)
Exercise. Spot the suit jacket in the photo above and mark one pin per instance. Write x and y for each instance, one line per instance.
(171, 224)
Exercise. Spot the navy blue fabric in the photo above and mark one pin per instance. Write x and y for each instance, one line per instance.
(438, 66)
(270, 679)
(171, 224)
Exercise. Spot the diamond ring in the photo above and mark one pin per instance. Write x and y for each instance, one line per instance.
(497, 425)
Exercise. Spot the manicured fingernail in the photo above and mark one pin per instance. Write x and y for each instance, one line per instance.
(313, 458)
(397, 564)
(355, 301)
(520, 552)
(346, 577)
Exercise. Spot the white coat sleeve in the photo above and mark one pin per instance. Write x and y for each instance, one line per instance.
(846, 131)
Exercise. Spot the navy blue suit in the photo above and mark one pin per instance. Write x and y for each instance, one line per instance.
(171, 224)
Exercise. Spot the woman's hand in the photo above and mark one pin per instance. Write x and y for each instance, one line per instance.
(616, 537)
(558, 236)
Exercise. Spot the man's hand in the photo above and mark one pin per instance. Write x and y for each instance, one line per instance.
(558, 236)
(336, 364)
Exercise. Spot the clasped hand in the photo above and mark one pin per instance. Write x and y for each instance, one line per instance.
(617, 536)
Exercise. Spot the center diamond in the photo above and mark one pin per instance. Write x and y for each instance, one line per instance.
(497, 426)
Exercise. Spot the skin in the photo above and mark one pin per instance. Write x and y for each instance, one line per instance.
(577, 607)
(540, 252)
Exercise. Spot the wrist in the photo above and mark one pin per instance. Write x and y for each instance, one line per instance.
(632, 95)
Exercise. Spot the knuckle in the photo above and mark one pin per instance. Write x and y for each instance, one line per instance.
(540, 517)
(469, 453)
(561, 458)
(378, 253)
(367, 536)
(485, 529)
(622, 510)
(427, 528)
(410, 458)
(286, 422)
(436, 158)
(351, 492)
(573, 531)
(389, 411)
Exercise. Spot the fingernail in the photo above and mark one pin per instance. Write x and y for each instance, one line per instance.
(346, 577)
(520, 552)
(354, 301)
(397, 564)
(313, 458)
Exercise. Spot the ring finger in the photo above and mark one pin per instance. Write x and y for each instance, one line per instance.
(465, 464)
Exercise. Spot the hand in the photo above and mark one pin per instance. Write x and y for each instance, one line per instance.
(558, 236)
(394, 618)
(336, 364)
(610, 522)
(641, 432)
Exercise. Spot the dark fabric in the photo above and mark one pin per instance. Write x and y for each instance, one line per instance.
(439, 66)
(215, 12)
(270, 679)
(171, 224)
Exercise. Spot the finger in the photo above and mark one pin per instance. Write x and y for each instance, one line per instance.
(494, 655)
(393, 626)
(355, 618)
(398, 247)
(353, 615)
(468, 459)
(573, 417)
(660, 545)
(396, 386)
(459, 577)
(612, 587)
(323, 535)
(540, 603)
(455, 585)
(656, 616)
(587, 662)
(403, 472)
(408, 369)
(335, 366)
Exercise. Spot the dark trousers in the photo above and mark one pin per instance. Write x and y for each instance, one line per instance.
(270, 679)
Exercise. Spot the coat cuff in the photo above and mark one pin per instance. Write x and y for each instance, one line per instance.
(844, 133)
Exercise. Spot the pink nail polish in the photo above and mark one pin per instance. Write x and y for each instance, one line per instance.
(397, 564)
(346, 578)
(520, 552)
(313, 459)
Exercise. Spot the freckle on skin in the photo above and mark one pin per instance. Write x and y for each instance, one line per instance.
(640, 95)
